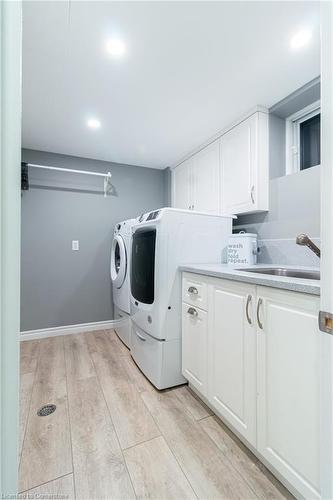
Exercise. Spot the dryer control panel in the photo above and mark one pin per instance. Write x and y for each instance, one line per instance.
(149, 216)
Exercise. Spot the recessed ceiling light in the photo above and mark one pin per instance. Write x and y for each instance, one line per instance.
(93, 123)
(116, 47)
(300, 38)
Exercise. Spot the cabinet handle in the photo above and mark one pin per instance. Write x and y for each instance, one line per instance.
(189, 207)
(248, 301)
(140, 336)
(192, 311)
(258, 309)
(193, 290)
(252, 194)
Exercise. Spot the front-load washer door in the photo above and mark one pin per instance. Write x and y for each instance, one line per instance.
(118, 265)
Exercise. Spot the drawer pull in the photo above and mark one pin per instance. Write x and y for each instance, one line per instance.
(140, 336)
(193, 290)
(192, 311)
(249, 300)
(252, 194)
(258, 318)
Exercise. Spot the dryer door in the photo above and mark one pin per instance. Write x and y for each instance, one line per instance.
(118, 265)
(143, 265)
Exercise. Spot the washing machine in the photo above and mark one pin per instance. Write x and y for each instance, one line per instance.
(162, 240)
(120, 278)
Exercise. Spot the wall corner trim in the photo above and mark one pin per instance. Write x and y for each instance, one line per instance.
(68, 330)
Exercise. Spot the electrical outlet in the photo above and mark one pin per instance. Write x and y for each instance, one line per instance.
(75, 245)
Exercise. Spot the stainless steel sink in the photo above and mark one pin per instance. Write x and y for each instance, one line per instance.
(282, 271)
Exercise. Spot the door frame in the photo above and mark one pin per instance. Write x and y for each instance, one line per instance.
(10, 223)
(10, 125)
(326, 297)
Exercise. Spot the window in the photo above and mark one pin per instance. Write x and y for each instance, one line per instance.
(309, 146)
(303, 139)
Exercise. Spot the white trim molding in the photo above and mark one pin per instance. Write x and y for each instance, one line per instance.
(69, 330)
(326, 263)
(10, 220)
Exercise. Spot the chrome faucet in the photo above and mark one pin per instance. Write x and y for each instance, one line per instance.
(303, 239)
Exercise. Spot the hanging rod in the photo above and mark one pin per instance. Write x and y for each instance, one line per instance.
(85, 172)
(108, 187)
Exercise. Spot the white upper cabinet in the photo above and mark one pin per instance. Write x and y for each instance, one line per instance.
(205, 179)
(230, 175)
(181, 185)
(195, 182)
(244, 166)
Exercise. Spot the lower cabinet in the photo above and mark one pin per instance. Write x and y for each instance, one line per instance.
(288, 386)
(232, 356)
(253, 353)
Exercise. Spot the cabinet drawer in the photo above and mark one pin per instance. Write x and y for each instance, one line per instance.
(195, 292)
(194, 347)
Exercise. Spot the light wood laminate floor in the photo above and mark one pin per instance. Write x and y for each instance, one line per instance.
(113, 436)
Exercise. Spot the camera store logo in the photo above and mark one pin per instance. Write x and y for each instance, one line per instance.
(35, 496)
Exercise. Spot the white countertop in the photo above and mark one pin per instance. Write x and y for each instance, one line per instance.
(229, 272)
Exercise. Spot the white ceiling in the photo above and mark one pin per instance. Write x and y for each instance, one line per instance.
(190, 69)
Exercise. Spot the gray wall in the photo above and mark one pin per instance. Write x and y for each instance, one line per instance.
(59, 286)
(277, 146)
(294, 207)
(167, 181)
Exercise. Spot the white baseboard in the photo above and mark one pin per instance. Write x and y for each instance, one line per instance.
(68, 330)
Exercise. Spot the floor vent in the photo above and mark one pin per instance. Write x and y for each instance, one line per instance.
(46, 410)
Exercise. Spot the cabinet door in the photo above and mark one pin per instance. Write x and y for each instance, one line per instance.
(237, 163)
(244, 166)
(181, 185)
(288, 386)
(194, 347)
(205, 178)
(232, 356)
